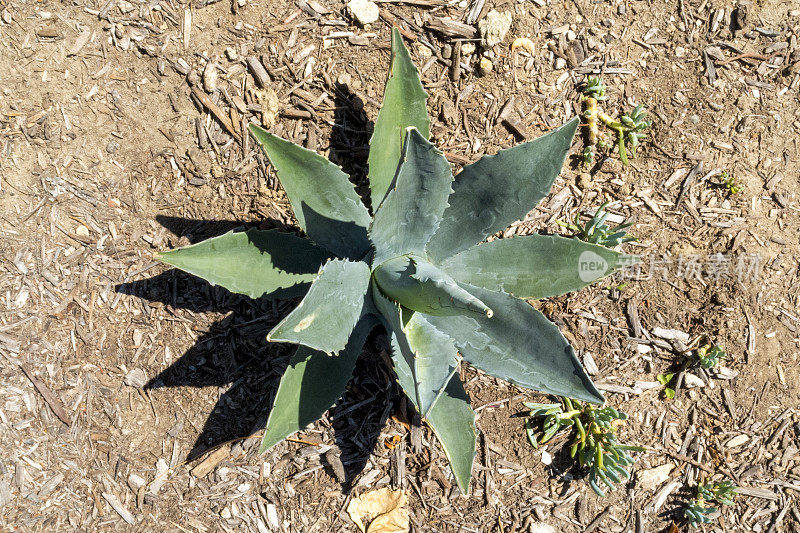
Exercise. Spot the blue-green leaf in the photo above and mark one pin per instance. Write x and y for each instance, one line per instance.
(534, 266)
(518, 344)
(253, 262)
(424, 358)
(404, 105)
(418, 285)
(312, 383)
(499, 189)
(453, 421)
(411, 212)
(324, 201)
(329, 312)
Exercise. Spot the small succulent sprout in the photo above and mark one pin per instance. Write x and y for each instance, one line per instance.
(709, 356)
(699, 509)
(698, 513)
(729, 182)
(633, 124)
(555, 419)
(415, 267)
(596, 231)
(596, 448)
(594, 88)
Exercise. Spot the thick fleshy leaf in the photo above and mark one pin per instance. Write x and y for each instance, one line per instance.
(453, 421)
(499, 189)
(411, 212)
(518, 345)
(253, 262)
(418, 285)
(329, 312)
(535, 266)
(424, 358)
(312, 383)
(404, 105)
(324, 201)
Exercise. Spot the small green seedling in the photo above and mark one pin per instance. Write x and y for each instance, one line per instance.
(634, 124)
(665, 379)
(412, 267)
(555, 419)
(709, 356)
(595, 444)
(596, 231)
(730, 184)
(699, 509)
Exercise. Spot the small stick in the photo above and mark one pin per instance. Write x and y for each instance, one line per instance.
(749, 55)
(215, 110)
(48, 395)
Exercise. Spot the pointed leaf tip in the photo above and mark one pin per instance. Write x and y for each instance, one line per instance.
(412, 210)
(253, 262)
(323, 199)
(404, 104)
(311, 384)
(499, 189)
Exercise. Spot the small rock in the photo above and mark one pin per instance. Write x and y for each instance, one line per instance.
(644, 348)
(541, 527)
(364, 11)
(653, 478)
(82, 230)
(423, 51)
(467, 49)
(690, 381)
(723, 372)
(6, 16)
(210, 77)
(270, 105)
(112, 147)
(561, 63)
(225, 513)
(494, 27)
(737, 441)
(485, 66)
(547, 459)
(135, 378)
(232, 54)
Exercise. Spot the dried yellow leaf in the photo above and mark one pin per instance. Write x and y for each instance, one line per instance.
(383, 509)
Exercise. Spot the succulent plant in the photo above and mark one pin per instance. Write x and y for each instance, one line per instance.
(414, 267)
(699, 509)
(597, 231)
(594, 443)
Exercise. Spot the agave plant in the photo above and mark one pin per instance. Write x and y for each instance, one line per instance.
(414, 267)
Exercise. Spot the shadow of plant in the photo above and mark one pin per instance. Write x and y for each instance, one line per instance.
(233, 353)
